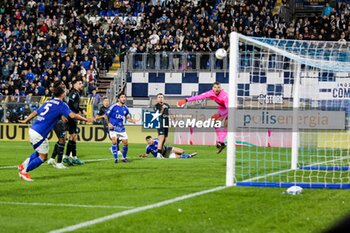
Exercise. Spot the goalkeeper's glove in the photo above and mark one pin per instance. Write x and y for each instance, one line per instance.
(181, 103)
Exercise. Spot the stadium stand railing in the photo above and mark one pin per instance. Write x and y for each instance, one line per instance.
(118, 84)
(176, 62)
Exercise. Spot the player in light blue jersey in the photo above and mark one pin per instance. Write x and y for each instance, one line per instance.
(167, 151)
(47, 117)
(116, 115)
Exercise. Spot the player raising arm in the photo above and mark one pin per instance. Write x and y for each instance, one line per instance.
(47, 117)
(221, 98)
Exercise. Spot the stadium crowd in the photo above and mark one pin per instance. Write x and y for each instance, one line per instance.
(43, 41)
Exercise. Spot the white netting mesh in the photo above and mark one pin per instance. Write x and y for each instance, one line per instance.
(265, 94)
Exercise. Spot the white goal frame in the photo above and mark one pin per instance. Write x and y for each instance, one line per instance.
(234, 69)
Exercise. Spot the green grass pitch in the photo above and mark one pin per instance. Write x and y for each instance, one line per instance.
(100, 188)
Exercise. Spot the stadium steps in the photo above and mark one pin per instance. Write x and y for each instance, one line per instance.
(106, 78)
(277, 7)
(104, 82)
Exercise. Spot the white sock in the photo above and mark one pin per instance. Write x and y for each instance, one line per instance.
(25, 164)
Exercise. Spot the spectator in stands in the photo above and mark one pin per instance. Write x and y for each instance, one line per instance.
(5, 71)
(18, 95)
(41, 89)
(327, 10)
(30, 75)
(12, 110)
(342, 38)
(1, 108)
(97, 99)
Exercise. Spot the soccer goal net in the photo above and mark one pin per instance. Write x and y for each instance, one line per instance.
(289, 110)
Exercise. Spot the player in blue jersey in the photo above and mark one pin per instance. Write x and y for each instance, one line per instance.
(168, 151)
(47, 117)
(116, 115)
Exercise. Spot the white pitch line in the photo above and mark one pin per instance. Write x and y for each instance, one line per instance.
(135, 210)
(95, 160)
(89, 160)
(7, 167)
(65, 205)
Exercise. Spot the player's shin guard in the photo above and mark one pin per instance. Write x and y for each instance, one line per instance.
(29, 159)
(33, 156)
(118, 141)
(60, 150)
(25, 163)
(125, 151)
(185, 156)
(221, 134)
(34, 163)
(115, 151)
(74, 148)
(55, 151)
(69, 148)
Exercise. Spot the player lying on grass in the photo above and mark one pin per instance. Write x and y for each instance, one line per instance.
(48, 116)
(221, 98)
(169, 151)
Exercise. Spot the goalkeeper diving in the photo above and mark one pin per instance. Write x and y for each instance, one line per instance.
(221, 98)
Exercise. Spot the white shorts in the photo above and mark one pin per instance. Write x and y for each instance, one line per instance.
(121, 136)
(36, 138)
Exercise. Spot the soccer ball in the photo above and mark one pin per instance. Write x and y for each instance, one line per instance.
(294, 190)
(220, 53)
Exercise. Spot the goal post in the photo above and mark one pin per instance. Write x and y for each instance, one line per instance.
(232, 103)
(289, 108)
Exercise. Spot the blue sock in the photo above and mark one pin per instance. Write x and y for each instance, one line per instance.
(34, 163)
(33, 156)
(115, 151)
(185, 156)
(125, 151)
